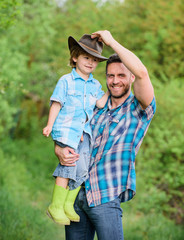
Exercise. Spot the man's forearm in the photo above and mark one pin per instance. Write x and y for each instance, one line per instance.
(129, 59)
(143, 88)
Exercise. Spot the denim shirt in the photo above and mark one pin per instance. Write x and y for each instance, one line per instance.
(77, 98)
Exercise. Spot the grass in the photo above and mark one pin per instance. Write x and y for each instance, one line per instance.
(138, 226)
(26, 187)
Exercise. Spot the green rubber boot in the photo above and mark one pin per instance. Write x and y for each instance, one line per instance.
(68, 207)
(56, 210)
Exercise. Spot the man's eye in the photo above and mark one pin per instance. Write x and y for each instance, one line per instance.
(110, 76)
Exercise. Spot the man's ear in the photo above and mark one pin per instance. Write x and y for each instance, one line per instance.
(132, 78)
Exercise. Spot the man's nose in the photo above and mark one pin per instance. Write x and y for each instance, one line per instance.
(115, 80)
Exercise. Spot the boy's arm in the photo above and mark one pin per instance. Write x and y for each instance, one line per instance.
(102, 101)
(143, 88)
(54, 110)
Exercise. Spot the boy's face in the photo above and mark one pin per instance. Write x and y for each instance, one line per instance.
(85, 64)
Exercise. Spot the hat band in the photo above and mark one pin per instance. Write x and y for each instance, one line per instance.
(90, 48)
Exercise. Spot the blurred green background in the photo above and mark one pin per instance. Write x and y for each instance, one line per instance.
(33, 56)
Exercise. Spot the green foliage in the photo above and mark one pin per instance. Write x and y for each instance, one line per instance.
(25, 63)
(9, 10)
(151, 226)
(24, 191)
(6, 120)
(161, 156)
(154, 30)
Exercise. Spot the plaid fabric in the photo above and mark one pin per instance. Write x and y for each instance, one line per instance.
(77, 98)
(117, 134)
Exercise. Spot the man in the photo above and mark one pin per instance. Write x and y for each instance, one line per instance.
(118, 131)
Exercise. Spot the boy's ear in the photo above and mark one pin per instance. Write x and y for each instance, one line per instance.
(74, 59)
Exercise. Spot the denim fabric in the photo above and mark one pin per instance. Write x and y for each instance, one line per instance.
(79, 173)
(104, 219)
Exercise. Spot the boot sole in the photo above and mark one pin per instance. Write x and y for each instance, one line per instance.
(74, 220)
(50, 216)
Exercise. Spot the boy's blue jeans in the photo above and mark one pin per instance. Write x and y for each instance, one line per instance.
(79, 173)
(105, 219)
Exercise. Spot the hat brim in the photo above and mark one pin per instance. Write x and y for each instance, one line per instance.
(72, 42)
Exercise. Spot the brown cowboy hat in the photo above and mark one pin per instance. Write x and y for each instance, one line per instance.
(91, 46)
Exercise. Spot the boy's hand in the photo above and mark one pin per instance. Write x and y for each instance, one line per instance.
(47, 130)
(103, 36)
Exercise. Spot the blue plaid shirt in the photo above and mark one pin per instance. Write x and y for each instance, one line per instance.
(77, 98)
(117, 134)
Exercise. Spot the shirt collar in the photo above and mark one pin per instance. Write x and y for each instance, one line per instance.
(75, 75)
(124, 104)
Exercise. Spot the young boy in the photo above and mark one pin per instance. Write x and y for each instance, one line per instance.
(72, 104)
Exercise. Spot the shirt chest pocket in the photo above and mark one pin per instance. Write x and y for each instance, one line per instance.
(119, 130)
(92, 98)
(120, 127)
(75, 98)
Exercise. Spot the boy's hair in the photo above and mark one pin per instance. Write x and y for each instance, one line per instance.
(114, 58)
(75, 52)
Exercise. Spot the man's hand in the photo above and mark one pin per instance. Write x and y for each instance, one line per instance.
(143, 89)
(103, 36)
(67, 156)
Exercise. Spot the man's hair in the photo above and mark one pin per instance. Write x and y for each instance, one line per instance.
(75, 52)
(114, 58)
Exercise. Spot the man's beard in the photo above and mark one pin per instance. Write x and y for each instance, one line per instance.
(122, 94)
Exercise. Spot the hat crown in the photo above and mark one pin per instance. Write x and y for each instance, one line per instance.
(92, 43)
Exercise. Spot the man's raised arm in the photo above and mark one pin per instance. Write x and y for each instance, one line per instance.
(143, 88)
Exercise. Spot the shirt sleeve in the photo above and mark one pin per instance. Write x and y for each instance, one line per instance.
(60, 92)
(145, 116)
(148, 113)
(151, 109)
